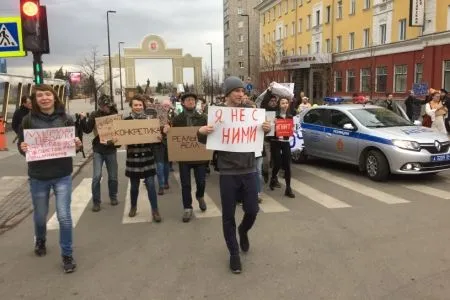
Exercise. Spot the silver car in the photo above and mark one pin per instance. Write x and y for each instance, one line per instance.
(374, 138)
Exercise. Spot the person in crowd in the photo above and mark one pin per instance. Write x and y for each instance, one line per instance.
(269, 103)
(104, 152)
(392, 105)
(237, 179)
(140, 164)
(445, 98)
(188, 118)
(413, 106)
(304, 105)
(50, 174)
(20, 113)
(437, 111)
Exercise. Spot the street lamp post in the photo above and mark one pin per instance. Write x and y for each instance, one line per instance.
(248, 42)
(212, 78)
(109, 54)
(120, 70)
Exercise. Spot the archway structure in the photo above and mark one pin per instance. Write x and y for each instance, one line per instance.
(154, 47)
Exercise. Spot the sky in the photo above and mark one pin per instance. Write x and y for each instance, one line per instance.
(77, 26)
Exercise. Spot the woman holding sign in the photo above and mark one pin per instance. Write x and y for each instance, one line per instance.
(45, 128)
(140, 164)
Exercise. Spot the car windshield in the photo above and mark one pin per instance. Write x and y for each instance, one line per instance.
(379, 117)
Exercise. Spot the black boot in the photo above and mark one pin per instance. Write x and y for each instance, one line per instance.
(289, 193)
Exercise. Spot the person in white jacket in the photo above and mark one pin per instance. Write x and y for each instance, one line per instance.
(437, 112)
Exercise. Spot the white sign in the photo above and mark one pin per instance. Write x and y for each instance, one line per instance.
(236, 129)
(416, 12)
(270, 116)
(305, 61)
(50, 143)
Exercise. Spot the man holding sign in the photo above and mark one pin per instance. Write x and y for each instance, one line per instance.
(236, 132)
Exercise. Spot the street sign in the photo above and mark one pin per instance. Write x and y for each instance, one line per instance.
(420, 89)
(11, 44)
(249, 87)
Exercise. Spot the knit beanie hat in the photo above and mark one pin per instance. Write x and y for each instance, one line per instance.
(232, 83)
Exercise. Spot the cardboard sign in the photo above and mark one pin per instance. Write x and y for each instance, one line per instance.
(184, 146)
(161, 112)
(236, 129)
(104, 126)
(128, 132)
(284, 127)
(270, 116)
(49, 143)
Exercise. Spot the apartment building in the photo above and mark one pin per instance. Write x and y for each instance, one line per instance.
(343, 47)
(241, 40)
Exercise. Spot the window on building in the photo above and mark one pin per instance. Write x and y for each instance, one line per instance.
(286, 7)
(339, 44)
(273, 36)
(383, 34)
(279, 10)
(309, 48)
(300, 21)
(240, 24)
(447, 75)
(225, 12)
(308, 22)
(227, 65)
(241, 77)
(241, 64)
(317, 47)
(351, 81)
(227, 52)
(285, 31)
(338, 81)
(241, 52)
(339, 10)
(401, 74)
(292, 52)
(402, 30)
(292, 4)
(241, 38)
(269, 18)
(418, 77)
(328, 14)
(328, 45)
(381, 84)
(299, 50)
(366, 4)
(239, 11)
(273, 14)
(366, 37)
(293, 28)
(317, 17)
(351, 41)
(280, 33)
(227, 25)
(365, 80)
(300, 2)
(352, 7)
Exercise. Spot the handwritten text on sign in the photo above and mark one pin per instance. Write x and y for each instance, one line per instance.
(142, 131)
(105, 127)
(236, 129)
(50, 143)
(184, 146)
(284, 127)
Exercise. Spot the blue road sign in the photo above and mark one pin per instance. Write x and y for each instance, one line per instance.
(420, 89)
(11, 37)
(249, 87)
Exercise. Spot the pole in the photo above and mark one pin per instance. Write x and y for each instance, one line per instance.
(120, 69)
(248, 44)
(37, 68)
(94, 84)
(212, 78)
(109, 55)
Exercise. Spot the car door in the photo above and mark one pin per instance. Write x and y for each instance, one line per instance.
(341, 144)
(313, 131)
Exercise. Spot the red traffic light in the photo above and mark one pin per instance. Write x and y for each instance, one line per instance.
(30, 8)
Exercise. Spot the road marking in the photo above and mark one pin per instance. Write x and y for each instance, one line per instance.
(81, 196)
(421, 188)
(270, 205)
(212, 209)
(144, 210)
(354, 186)
(316, 195)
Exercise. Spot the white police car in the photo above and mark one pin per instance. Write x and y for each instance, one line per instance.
(374, 138)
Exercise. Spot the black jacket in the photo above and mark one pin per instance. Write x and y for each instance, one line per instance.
(21, 112)
(88, 125)
(50, 168)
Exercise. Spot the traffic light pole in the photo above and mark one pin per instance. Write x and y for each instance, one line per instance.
(37, 68)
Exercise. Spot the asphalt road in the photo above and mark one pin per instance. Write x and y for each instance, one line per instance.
(342, 237)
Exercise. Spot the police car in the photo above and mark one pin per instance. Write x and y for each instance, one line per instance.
(374, 138)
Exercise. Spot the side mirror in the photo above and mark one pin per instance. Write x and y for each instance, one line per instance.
(348, 126)
(417, 123)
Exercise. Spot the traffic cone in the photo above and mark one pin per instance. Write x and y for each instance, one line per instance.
(3, 140)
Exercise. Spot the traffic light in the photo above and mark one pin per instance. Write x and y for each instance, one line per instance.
(34, 26)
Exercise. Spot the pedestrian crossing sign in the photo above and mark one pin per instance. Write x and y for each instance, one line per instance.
(11, 44)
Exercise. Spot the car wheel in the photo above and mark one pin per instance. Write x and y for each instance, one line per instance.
(299, 157)
(377, 166)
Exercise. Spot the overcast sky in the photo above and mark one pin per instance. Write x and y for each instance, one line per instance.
(76, 26)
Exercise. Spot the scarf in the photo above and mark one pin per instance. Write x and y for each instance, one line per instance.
(141, 115)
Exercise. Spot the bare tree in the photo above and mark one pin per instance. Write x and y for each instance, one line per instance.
(271, 60)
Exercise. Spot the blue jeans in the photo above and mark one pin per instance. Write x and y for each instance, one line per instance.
(259, 177)
(110, 161)
(162, 172)
(40, 194)
(151, 191)
(185, 178)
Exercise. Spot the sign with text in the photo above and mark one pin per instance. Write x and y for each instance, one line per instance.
(128, 132)
(162, 113)
(420, 89)
(236, 129)
(104, 126)
(416, 13)
(183, 145)
(49, 143)
(284, 127)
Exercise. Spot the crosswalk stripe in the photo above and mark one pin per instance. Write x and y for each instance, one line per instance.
(354, 186)
(270, 205)
(81, 196)
(144, 211)
(421, 188)
(212, 209)
(316, 195)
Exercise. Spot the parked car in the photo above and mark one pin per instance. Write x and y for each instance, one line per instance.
(375, 139)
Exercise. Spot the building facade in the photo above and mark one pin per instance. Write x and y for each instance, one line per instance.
(3, 68)
(355, 46)
(241, 40)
